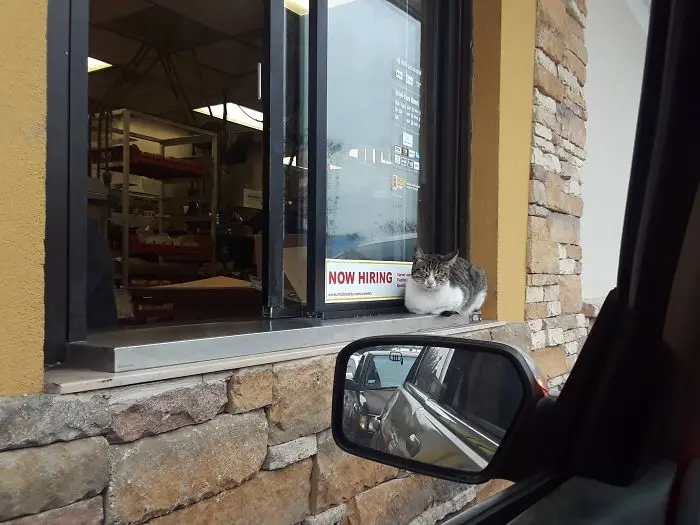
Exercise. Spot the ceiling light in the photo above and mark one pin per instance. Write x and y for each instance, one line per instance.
(301, 7)
(96, 65)
(235, 113)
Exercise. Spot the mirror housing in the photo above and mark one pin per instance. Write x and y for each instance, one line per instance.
(497, 462)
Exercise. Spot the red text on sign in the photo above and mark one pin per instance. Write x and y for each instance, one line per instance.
(374, 278)
(362, 277)
(341, 277)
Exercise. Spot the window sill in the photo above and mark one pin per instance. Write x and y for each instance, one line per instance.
(144, 355)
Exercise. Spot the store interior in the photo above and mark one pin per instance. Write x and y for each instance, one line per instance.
(175, 184)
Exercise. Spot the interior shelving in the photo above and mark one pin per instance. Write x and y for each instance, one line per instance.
(113, 157)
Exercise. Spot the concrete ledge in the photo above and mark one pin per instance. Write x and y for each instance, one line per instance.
(138, 349)
(86, 369)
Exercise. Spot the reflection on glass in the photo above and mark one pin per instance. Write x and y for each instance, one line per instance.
(176, 162)
(371, 379)
(388, 372)
(374, 147)
(439, 406)
(296, 173)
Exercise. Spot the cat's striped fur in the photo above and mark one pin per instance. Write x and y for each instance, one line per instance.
(445, 284)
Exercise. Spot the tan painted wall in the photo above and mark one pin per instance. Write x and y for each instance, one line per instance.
(22, 212)
(504, 43)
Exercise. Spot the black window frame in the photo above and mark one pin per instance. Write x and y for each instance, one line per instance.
(448, 97)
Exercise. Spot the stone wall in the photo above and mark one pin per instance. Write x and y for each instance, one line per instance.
(250, 446)
(591, 309)
(554, 258)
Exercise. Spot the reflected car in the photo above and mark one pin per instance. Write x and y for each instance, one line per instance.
(370, 381)
(443, 414)
(395, 248)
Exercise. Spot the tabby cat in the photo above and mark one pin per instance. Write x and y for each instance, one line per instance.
(445, 285)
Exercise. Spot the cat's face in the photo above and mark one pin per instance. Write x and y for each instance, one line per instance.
(431, 272)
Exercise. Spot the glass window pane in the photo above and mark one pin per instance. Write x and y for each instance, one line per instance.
(175, 185)
(374, 146)
(296, 165)
(429, 378)
(385, 373)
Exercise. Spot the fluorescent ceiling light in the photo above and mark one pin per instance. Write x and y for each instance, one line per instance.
(235, 113)
(301, 7)
(96, 65)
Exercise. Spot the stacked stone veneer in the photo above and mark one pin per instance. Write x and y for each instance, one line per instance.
(591, 309)
(554, 258)
(250, 446)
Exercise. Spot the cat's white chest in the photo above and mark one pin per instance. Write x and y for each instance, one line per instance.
(421, 301)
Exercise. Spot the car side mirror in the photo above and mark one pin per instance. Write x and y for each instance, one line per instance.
(448, 409)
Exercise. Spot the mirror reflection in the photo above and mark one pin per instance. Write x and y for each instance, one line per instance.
(441, 406)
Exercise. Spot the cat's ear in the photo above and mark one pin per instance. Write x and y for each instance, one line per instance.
(418, 253)
(451, 257)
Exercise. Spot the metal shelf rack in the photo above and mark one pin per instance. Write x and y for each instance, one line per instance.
(122, 155)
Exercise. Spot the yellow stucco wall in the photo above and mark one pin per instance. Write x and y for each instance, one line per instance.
(504, 47)
(22, 177)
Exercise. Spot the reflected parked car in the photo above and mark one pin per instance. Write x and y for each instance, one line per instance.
(370, 381)
(445, 413)
(395, 248)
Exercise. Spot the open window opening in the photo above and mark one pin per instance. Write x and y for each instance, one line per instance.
(176, 162)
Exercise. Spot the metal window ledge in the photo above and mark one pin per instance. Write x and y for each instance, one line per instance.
(141, 355)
